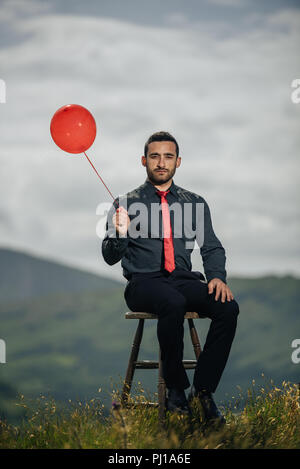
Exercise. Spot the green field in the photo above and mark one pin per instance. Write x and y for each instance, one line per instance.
(70, 342)
(270, 420)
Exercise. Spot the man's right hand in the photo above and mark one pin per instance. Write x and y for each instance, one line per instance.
(121, 220)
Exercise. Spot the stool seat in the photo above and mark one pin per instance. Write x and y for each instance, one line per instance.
(144, 315)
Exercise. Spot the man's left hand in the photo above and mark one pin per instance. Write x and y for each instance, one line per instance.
(221, 289)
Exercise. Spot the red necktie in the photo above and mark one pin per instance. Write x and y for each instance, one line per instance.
(168, 239)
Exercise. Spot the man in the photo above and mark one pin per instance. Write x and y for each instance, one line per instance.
(156, 262)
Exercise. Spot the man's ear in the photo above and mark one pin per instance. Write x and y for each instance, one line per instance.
(178, 162)
(143, 160)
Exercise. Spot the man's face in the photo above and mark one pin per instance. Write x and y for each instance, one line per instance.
(161, 161)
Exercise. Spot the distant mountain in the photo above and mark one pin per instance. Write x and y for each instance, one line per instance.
(72, 338)
(23, 276)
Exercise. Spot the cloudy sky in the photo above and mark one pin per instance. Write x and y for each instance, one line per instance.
(215, 73)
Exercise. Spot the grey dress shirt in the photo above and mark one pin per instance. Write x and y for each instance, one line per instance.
(142, 249)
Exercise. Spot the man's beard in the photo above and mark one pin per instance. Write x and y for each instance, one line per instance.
(159, 180)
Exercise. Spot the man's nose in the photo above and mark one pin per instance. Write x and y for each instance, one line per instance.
(161, 163)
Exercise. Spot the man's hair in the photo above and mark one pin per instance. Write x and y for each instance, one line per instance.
(161, 137)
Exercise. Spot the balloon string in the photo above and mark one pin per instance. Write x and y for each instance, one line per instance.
(100, 178)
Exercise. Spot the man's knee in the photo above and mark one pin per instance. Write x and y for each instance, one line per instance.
(234, 308)
(231, 312)
(228, 311)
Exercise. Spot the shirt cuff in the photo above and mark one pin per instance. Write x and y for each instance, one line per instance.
(216, 275)
(120, 241)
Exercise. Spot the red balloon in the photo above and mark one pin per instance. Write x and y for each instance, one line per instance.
(73, 128)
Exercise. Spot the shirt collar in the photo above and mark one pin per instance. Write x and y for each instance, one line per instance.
(151, 189)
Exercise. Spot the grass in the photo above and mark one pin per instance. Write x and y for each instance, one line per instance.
(270, 418)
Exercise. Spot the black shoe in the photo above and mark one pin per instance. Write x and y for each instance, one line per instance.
(176, 401)
(211, 412)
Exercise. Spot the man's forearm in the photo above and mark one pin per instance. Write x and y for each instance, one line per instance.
(114, 244)
(212, 251)
(214, 260)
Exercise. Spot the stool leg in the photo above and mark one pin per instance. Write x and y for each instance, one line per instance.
(133, 357)
(195, 338)
(161, 392)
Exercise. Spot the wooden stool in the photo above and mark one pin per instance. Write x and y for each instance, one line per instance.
(134, 363)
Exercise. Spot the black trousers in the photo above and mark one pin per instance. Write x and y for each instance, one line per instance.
(170, 296)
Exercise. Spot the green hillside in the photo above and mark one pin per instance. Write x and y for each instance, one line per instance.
(23, 276)
(71, 343)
